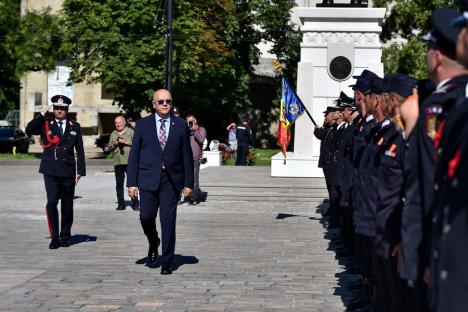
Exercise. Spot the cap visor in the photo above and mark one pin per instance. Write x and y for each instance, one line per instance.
(459, 21)
(427, 37)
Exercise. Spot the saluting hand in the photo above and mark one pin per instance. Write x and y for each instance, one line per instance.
(133, 192)
(46, 109)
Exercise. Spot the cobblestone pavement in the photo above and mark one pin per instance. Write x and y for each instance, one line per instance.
(233, 254)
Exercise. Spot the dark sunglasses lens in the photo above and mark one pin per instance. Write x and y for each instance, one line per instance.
(161, 102)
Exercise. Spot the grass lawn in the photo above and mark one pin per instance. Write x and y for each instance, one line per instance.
(17, 156)
(261, 157)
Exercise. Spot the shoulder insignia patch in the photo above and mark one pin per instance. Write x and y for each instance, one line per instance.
(391, 152)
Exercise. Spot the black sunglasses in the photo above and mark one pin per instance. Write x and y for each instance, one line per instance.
(161, 102)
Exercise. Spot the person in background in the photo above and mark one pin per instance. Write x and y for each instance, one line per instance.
(244, 140)
(197, 138)
(176, 111)
(120, 143)
(232, 137)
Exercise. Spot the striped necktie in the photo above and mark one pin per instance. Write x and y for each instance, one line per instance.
(162, 133)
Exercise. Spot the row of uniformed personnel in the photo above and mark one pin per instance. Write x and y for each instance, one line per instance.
(393, 159)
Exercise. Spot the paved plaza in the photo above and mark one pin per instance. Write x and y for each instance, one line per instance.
(255, 244)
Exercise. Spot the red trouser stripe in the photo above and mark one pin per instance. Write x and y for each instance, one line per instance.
(48, 222)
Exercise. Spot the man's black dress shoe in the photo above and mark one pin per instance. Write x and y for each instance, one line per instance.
(136, 207)
(54, 244)
(65, 242)
(153, 255)
(120, 207)
(166, 269)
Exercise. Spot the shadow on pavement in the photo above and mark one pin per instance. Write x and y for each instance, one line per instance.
(347, 278)
(178, 261)
(81, 238)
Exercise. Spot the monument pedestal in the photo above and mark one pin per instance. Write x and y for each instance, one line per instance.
(337, 43)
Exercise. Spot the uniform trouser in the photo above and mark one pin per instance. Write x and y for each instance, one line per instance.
(165, 200)
(348, 226)
(364, 249)
(196, 180)
(415, 298)
(120, 171)
(390, 284)
(242, 151)
(63, 189)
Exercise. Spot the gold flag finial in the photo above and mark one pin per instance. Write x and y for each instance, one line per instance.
(278, 67)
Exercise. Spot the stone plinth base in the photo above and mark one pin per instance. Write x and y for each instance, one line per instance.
(214, 159)
(295, 167)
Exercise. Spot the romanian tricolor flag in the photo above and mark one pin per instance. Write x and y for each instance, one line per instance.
(291, 109)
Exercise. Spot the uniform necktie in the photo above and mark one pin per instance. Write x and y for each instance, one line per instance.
(162, 133)
(61, 128)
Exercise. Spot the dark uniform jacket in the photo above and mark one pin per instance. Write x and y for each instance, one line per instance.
(321, 133)
(337, 150)
(388, 166)
(58, 159)
(348, 147)
(328, 154)
(365, 193)
(244, 135)
(449, 216)
(421, 157)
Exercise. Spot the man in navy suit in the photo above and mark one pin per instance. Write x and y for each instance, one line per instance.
(160, 166)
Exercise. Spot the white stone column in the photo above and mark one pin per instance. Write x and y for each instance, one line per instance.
(328, 33)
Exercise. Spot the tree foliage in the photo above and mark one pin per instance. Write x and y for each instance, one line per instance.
(121, 44)
(406, 19)
(27, 43)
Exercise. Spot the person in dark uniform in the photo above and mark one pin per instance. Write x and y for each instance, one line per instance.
(322, 133)
(344, 171)
(244, 141)
(449, 78)
(449, 212)
(363, 125)
(388, 170)
(60, 138)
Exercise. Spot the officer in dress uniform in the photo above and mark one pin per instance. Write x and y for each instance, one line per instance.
(351, 116)
(449, 79)
(449, 213)
(60, 138)
(388, 170)
(363, 124)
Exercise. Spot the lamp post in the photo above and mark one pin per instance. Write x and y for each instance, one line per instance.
(169, 46)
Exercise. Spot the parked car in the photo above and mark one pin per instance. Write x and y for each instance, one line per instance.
(102, 141)
(11, 136)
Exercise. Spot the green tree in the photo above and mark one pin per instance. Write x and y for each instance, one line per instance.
(9, 87)
(27, 43)
(121, 44)
(407, 19)
(274, 17)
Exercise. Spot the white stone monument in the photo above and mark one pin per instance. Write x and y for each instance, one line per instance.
(337, 44)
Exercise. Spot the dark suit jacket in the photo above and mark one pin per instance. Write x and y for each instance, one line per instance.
(59, 159)
(146, 157)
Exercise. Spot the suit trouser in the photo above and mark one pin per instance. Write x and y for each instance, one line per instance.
(165, 199)
(120, 171)
(63, 189)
